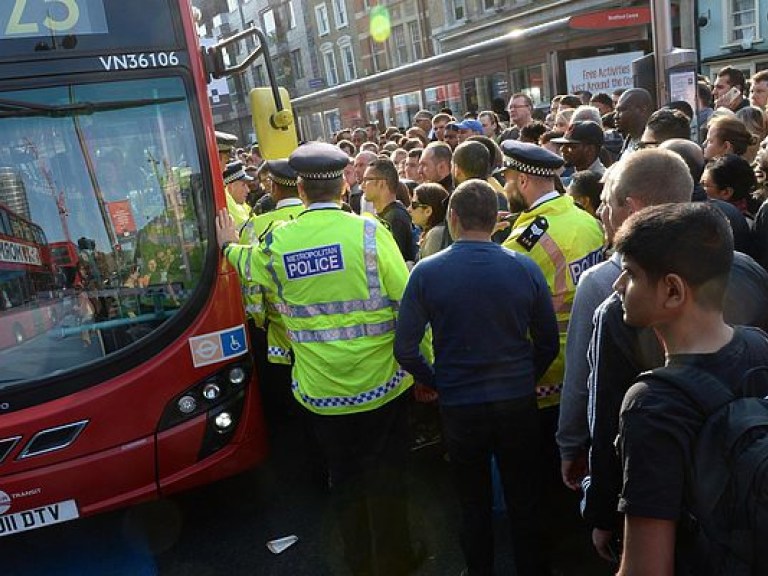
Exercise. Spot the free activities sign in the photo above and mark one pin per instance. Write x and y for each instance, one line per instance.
(601, 73)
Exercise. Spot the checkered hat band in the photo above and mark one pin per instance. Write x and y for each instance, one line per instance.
(236, 176)
(282, 181)
(515, 164)
(322, 175)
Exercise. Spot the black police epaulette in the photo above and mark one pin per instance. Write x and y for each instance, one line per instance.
(533, 233)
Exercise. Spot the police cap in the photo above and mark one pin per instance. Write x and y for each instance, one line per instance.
(225, 141)
(530, 159)
(281, 172)
(235, 171)
(319, 161)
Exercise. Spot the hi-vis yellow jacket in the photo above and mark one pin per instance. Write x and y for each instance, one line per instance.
(336, 279)
(239, 212)
(564, 241)
(257, 305)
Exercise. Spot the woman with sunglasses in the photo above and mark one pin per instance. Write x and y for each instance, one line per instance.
(427, 211)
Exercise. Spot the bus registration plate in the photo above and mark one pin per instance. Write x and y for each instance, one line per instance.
(38, 517)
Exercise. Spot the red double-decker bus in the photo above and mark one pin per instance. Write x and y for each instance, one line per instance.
(142, 384)
(29, 303)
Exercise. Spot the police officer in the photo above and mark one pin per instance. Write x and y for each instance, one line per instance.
(288, 205)
(563, 240)
(225, 143)
(236, 186)
(273, 349)
(336, 278)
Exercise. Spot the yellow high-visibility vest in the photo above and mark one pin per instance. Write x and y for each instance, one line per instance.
(336, 279)
(239, 212)
(257, 305)
(564, 241)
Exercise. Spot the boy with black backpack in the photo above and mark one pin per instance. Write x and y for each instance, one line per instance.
(675, 264)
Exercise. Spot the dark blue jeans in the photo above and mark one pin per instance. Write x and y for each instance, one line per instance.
(367, 455)
(509, 431)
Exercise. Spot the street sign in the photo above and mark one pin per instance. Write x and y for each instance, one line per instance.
(619, 18)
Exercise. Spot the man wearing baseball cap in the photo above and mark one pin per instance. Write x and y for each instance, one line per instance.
(469, 127)
(581, 146)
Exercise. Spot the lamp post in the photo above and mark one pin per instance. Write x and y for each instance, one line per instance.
(661, 29)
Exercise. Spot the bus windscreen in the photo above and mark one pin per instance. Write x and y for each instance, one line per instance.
(102, 220)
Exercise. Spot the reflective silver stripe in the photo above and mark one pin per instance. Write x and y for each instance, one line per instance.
(251, 289)
(248, 231)
(248, 264)
(343, 333)
(239, 265)
(271, 264)
(356, 400)
(254, 309)
(340, 307)
(371, 264)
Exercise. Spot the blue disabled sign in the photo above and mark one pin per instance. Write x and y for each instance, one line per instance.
(233, 342)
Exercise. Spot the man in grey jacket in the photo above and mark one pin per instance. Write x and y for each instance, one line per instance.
(644, 179)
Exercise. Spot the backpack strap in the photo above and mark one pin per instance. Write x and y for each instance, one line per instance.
(706, 391)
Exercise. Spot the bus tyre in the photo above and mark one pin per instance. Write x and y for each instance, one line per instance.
(18, 333)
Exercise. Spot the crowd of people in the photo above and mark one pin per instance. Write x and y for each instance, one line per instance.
(522, 275)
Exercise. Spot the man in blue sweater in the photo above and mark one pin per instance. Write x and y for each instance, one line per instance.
(495, 333)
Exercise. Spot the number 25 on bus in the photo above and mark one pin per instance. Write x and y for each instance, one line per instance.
(128, 374)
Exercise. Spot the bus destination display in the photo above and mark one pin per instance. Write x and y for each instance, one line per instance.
(36, 18)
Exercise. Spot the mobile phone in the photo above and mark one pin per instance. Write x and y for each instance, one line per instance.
(731, 95)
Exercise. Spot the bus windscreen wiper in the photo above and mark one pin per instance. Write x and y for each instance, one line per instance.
(18, 109)
(12, 105)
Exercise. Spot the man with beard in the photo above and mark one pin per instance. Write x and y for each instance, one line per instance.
(564, 241)
(581, 146)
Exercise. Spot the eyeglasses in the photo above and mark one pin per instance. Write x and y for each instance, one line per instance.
(519, 106)
(415, 205)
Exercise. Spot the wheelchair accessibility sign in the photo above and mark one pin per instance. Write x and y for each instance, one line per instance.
(218, 346)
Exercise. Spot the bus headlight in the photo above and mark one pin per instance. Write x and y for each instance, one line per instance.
(211, 392)
(223, 421)
(237, 375)
(187, 404)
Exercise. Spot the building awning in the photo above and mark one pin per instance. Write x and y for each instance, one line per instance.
(509, 38)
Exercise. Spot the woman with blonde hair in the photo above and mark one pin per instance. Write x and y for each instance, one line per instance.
(727, 135)
(755, 121)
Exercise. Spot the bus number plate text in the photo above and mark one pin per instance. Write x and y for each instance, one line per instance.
(38, 517)
(139, 61)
